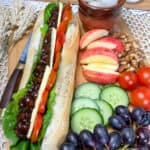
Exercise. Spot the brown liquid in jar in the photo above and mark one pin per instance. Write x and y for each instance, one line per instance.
(93, 17)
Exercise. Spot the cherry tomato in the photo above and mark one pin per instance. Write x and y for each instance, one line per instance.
(140, 97)
(128, 80)
(143, 75)
(36, 128)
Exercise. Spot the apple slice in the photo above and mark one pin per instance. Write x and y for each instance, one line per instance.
(99, 55)
(103, 66)
(100, 43)
(91, 36)
(99, 75)
(118, 43)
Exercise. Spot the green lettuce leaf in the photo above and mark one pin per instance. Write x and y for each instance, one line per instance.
(48, 10)
(48, 114)
(10, 117)
(34, 146)
(22, 145)
(36, 62)
(44, 30)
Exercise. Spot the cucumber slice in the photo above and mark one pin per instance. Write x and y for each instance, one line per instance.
(114, 95)
(80, 103)
(85, 118)
(105, 109)
(88, 90)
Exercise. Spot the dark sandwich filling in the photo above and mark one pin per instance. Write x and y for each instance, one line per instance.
(26, 104)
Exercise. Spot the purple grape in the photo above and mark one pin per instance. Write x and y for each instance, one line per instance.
(99, 146)
(138, 115)
(114, 141)
(72, 138)
(146, 119)
(101, 134)
(143, 136)
(124, 112)
(68, 146)
(128, 136)
(142, 147)
(117, 122)
(86, 138)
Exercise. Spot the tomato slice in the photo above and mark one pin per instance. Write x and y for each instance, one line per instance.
(50, 83)
(43, 102)
(66, 17)
(57, 60)
(67, 13)
(58, 46)
(36, 128)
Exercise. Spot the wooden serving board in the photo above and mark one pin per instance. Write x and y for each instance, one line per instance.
(16, 50)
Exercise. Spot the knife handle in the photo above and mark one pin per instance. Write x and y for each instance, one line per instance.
(11, 87)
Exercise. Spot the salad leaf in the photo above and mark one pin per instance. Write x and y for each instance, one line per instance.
(10, 117)
(36, 62)
(48, 10)
(22, 145)
(44, 30)
(48, 115)
(34, 146)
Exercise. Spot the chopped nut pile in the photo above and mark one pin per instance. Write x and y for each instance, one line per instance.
(132, 57)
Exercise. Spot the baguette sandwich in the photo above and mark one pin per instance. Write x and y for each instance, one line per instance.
(37, 117)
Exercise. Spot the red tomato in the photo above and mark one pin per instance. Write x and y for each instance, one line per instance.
(143, 75)
(140, 97)
(50, 84)
(128, 80)
(36, 128)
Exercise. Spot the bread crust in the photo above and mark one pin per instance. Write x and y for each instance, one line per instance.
(36, 41)
(59, 125)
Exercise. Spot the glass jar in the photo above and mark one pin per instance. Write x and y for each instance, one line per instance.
(99, 17)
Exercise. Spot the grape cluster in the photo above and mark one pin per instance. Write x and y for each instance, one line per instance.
(130, 131)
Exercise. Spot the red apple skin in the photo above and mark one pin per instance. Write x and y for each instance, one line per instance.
(119, 45)
(98, 51)
(99, 77)
(94, 35)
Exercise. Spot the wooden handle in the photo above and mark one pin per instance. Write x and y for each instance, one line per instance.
(11, 87)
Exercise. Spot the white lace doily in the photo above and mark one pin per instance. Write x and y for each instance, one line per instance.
(139, 24)
(138, 21)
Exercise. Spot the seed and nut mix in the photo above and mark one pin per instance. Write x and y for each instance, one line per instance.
(132, 57)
